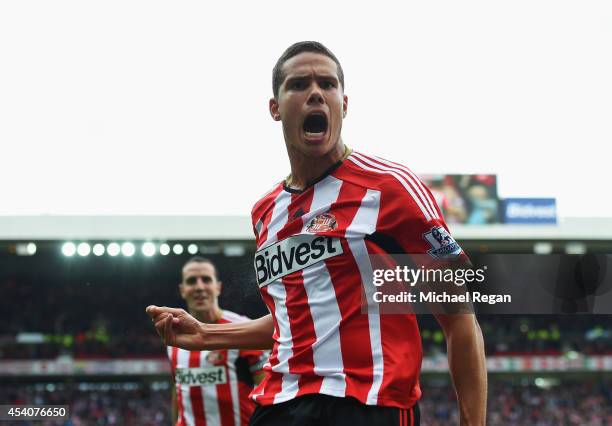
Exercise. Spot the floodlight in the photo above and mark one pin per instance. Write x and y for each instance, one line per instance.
(83, 249)
(148, 249)
(113, 249)
(164, 249)
(128, 249)
(98, 249)
(69, 249)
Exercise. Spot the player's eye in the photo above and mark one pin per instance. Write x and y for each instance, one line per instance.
(191, 280)
(327, 85)
(297, 85)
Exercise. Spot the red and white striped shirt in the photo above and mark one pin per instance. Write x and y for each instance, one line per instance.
(212, 387)
(314, 270)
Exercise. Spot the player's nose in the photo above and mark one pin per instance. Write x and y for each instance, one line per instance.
(315, 97)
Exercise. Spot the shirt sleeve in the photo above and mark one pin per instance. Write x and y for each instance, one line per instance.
(410, 222)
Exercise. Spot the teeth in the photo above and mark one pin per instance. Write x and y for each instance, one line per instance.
(314, 134)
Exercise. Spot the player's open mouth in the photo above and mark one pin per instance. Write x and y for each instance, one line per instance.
(315, 126)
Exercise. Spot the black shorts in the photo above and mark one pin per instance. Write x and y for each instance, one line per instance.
(324, 410)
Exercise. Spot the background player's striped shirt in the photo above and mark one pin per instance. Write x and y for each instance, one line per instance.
(314, 270)
(212, 387)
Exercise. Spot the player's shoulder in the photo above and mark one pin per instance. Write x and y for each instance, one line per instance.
(265, 200)
(229, 316)
(398, 185)
(379, 173)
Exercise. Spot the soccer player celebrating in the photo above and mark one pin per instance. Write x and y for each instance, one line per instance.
(332, 364)
(212, 386)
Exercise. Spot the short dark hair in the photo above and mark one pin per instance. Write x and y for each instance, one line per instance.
(201, 259)
(295, 49)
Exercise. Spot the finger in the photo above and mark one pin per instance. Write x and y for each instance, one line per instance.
(160, 321)
(168, 331)
(153, 310)
(159, 317)
(160, 326)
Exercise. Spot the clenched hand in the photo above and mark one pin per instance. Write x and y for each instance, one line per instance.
(176, 327)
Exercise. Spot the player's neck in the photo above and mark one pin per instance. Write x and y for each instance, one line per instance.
(307, 169)
(209, 316)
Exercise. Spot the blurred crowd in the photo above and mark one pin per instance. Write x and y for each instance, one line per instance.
(98, 319)
(535, 334)
(585, 403)
(517, 403)
(123, 404)
(94, 308)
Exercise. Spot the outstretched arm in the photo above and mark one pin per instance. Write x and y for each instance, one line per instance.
(177, 328)
(466, 359)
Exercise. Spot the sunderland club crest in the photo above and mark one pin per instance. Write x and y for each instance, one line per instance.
(216, 357)
(324, 222)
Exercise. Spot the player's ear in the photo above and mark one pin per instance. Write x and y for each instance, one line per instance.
(181, 290)
(274, 112)
(219, 287)
(344, 105)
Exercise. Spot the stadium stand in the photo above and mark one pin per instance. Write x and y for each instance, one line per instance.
(78, 335)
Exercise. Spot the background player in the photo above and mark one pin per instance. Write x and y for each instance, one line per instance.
(211, 387)
(330, 363)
